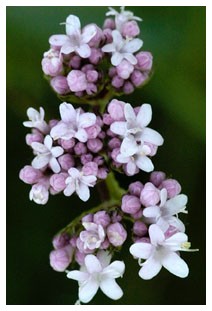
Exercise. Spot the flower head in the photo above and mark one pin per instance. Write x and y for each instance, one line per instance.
(97, 272)
(122, 17)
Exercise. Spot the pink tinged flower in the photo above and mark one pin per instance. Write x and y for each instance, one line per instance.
(163, 214)
(30, 175)
(122, 17)
(61, 258)
(77, 81)
(161, 252)
(46, 154)
(116, 234)
(73, 123)
(144, 61)
(36, 120)
(39, 193)
(80, 183)
(93, 236)
(97, 272)
(75, 40)
(150, 195)
(52, 64)
(122, 49)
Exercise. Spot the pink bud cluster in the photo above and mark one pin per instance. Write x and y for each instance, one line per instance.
(99, 231)
(81, 62)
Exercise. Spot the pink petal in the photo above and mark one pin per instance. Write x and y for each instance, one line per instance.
(131, 167)
(48, 142)
(152, 211)
(144, 115)
(40, 161)
(108, 48)
(67, 48)
(69, 190)
(57, 151)
(129, 113)
(141, 250)
(38, 147)
(130, 57)
(122, 159)
(89, 180)
(62, 130)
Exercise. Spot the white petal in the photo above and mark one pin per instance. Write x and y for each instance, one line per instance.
(141, 250)
(175, 240)
(156, 235)
(72, 25)
(115, 269)
(90, 226)
(74, 172)
(109, 48)
(176, 265)
(116, 58)
(174, 205)
(81, 135)
(122, 159)
(69, 190)
(89, 180)
(150, 268)
(111, 289)
(58, 40)
(88, 290)
(144, 115)
(151, 136)
(83, 192)
(62, 130)
(77, 275)
(131, 167)
(28, 124)
(86, 119)
(67, 113)
(40, 161)
(151, 211)
(129, 113)
(163, 196)
(119, 127)
(92, 264)
(88, 33)
(104, 258)
(38, 147)
(54, 165)
(117, 39)
(163, 224)
(84, 50)
(144, 163)
(67, 48)
(48, 142)
(57, 151)
(131, 58)
(129, 146)
(133, 46)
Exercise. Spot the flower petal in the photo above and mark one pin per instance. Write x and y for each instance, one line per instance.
(122, 159)
(176, 265)
(83, 50)
(156, 235)
(67, 113)
(119, 128)
(129, 114)
(176, 240)
(109, 48)
(62, 130)
(72, 25)
(151, 136)
(54, 165)
(57, 151)
(89, 180)
(88, 33)
(104, 258)
(40, 161)
(114, 270)
(131, 167)
(141, 250)
(48, 142)
(67, 48)
(88, 290)
(151, 211)
(111, 289)
(86, 119)
(150, 268)
(176, 204)
(38, 147)
(144, 163)
(77, 275)
(92, 264)
(116, 58)
(129, 146)
(70, 188)
(144, 115)
(81, 135)
(58, 40)
(130, 57)
(83, 192)
(133, 46)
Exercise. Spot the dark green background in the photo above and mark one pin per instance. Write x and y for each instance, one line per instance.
(176, 37)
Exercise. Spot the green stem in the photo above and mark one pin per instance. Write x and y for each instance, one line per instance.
(115, 191)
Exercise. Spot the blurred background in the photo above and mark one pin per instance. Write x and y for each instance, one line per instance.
(176, 38)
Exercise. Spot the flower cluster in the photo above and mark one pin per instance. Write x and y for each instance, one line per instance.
(86, 61)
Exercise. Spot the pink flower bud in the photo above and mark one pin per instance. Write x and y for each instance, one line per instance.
(95, 41)
(75, 62)
(102, 173)
(116, 109)
(85, 158)
(107, 119)
(99, 160)
(81, 248)
(35, 137)
(60, 85)
(172, 186)
(91, 88)
(52, 64)
(94, 145)
(135, 188)
(67, 144)
(128, 88)
(130, 29)
(112, 72)
(157, 177)
(30, 175)
(61, 258)
(80, 148)
(92, 75)
(101, 218)
(105, 244)
(116, 234)
(87, 218)
(144, 61)
(116, 217)
(108, 35)
(57, 181)
(96, 56)
(93, 131)
(60, 240)
(124, 69)
(73, 241)
(87, 67)
(117, 82)
(114, 143)
(115, 153)
(79, 257)
(137, 239)
(140, 228)
(90, 168)
(137, 215)
(138, 78)
(66, 161)
(150, 195)
(109, 23)
(153, 149)
(130, 204)
(77, 81)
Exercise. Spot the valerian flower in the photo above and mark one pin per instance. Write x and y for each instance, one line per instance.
(36, 120)
(161, 252)
(122, 49)
(92, 236)
(75, 40)
(97, 272)
(73, 123)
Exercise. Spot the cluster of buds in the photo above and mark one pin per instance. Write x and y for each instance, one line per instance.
(85, 62)
(82, 148)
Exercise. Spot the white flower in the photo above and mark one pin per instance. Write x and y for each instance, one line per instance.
(162, 214)
(36, 120)
(79, 183)
(73, 123)
(46, 154)
(98, 273)
(93, 236)
(122, 49)
(161, 252)
(122, 17)
(39, 193)
(75, 40)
